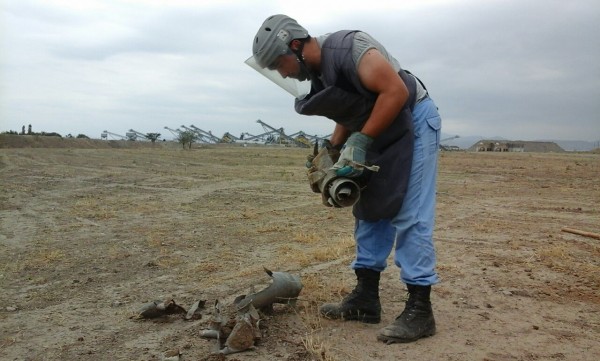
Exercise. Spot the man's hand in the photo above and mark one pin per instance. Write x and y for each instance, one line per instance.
(332, 150)
(352, 159)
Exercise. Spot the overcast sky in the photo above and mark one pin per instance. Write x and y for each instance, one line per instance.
(522, 70)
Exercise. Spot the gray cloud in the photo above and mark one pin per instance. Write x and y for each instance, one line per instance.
(515, 69)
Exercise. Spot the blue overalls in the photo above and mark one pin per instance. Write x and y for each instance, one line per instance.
(410, 232)
(397, 207)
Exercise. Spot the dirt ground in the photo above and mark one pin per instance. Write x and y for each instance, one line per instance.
(88, 235)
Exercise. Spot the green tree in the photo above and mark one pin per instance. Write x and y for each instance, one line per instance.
(153, 136)
(186, 137)
(48, 134)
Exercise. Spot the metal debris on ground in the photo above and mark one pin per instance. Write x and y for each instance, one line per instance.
(159, 308)
(194, 312)
(284, 289)
(237, 330)
(241, 332)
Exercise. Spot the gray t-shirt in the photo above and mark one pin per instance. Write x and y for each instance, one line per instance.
(364, 42)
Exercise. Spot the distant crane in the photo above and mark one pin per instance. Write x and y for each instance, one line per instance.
(304, 138)
(175, 132)
(208, 135)
(282, 135)
(450, 138)
(200, 135)
(246, 135)
(269, 137)
(229, 138)
(247, 138)
(106, 133)
(445, 147)
(260, 138)
(134, 134)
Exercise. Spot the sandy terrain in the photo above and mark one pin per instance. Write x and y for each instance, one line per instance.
(87, 236)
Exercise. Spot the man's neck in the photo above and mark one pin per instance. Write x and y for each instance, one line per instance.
(312, 55)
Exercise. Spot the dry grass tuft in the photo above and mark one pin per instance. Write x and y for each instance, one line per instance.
(321, 349)
(559, 252)
(306, 238)
(311, 252)
(314, 289)
(168, 261)
(207, 267)
(117, 252)
(92, 207)
(318, 348)
(271, 228)
(43, 259)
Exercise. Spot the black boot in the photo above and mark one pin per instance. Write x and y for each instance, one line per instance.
(362, 304)
(415, 322)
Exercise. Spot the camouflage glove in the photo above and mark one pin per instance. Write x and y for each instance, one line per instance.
(333, 150)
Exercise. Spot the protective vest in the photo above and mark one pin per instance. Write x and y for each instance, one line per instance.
(339, 95)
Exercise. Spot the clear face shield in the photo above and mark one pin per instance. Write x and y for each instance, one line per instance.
(297, 88)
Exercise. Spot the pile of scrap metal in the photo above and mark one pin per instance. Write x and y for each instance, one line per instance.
(241, 331)
(235, 328)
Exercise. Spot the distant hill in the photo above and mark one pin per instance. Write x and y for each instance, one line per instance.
(38, 141)
(577, 145)
(463, 142)
(568, 145)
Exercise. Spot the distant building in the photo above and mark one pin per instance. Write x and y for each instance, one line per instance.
(514, 146)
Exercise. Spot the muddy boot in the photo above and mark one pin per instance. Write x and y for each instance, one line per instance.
(362, 304)
(415, 322)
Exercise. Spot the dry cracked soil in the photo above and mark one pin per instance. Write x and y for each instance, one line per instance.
(90, 232)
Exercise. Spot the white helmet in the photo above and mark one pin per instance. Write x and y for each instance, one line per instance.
(274, 37)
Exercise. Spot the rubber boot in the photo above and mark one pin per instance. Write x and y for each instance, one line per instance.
(362, 304)
(415, 322)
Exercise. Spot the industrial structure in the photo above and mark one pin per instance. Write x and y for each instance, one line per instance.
(448, 147)
(277, 136)
(106, 133)
(131, 134)
(271, 135)
(514, 146)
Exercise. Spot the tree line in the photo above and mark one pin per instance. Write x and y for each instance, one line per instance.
(46, 134)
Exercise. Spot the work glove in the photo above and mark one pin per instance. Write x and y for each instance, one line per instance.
(352, 159)
(333, 150)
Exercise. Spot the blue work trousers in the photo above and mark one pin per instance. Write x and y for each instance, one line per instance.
(411, 230)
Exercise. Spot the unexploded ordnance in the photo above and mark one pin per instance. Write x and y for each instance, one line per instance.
(285, 289)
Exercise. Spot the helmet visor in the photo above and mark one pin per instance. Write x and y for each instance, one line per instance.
(297, 88)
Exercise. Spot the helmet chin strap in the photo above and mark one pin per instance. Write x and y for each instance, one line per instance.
(304, 73)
